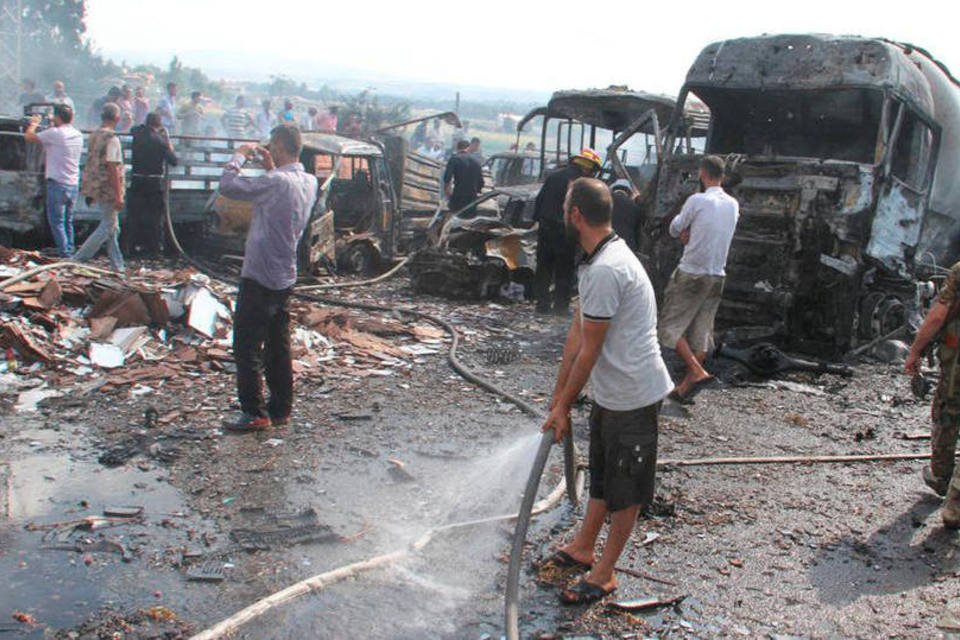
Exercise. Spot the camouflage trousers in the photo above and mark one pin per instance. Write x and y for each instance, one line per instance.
(943, 447)
(943, 436)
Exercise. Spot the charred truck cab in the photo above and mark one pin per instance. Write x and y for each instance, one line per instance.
(843, 154)
(593, 118)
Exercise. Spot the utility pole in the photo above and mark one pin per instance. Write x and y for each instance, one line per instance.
(11, 42)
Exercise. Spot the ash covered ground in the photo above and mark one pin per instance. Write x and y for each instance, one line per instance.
(368, 464)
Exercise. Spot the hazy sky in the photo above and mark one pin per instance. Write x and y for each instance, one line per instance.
(515, 44)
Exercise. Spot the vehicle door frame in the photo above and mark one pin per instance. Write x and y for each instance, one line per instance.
(888, 181)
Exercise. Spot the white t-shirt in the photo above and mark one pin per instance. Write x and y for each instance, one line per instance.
(712, 218)
(62, 147)
(630, 372)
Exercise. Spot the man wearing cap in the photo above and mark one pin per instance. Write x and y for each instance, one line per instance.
(705, 226)
(556, 252)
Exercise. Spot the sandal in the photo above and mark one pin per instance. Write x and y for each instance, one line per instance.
(563, 560)
(584, 592)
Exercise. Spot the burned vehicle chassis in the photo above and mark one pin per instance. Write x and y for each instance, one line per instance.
(837, 236)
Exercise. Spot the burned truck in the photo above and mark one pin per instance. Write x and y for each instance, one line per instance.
(479, 256)
(843, 154)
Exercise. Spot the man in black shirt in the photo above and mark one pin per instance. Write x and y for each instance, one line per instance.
(463, 178)
(151, 152)
(556, 253)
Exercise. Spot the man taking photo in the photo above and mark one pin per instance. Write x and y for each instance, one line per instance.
(282, 201)
(62, 146)
(612, 343)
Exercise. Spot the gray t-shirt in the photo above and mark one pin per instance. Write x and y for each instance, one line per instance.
(614, 287)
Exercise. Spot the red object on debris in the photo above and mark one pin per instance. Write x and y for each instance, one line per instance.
(25, 618)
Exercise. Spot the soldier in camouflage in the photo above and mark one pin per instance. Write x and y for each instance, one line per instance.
(943, 324)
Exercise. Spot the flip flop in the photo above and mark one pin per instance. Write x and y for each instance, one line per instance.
(680, 399)
(584, 592)
(697, 387)
(563, 560)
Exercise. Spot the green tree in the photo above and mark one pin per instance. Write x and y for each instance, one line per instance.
(57, 23)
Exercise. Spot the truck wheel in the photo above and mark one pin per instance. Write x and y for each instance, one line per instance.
(361, 258)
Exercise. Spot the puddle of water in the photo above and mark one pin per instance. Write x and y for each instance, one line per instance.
(452, 589)
(46, 485)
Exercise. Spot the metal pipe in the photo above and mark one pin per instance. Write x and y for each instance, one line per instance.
(870, 457)
(66, 264)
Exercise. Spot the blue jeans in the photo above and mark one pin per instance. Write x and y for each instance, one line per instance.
(107, 232)
(61, 199)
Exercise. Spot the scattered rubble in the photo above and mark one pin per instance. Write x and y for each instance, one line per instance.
(162, 328)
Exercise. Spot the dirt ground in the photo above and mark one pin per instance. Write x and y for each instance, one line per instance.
(779, 551)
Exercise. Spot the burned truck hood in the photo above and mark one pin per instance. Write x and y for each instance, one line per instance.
(808, 62)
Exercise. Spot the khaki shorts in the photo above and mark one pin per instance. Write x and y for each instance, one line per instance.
(689, 308)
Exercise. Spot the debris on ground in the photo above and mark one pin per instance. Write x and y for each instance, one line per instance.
(153, 623)
(81, 332)
(642, 604)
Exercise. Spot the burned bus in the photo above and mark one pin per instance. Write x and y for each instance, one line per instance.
(843, 153)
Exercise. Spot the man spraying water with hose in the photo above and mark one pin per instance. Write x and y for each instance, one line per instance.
(612, 343)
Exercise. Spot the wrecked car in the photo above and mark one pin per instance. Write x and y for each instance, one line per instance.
(479, 256)
(843, 154)
(593, 118)
(375, 202)
(22, 191)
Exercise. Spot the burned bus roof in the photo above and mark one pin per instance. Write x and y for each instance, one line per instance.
(613, 109)
(339, 145)
(807, 62)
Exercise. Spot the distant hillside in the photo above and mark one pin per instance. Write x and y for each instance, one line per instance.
(255, 68)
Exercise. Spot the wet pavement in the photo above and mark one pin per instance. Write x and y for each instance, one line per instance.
(760, 551)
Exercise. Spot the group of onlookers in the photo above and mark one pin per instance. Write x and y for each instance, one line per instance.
(193, 118)
(103, 182)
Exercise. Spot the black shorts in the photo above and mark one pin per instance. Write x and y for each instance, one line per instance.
(623, 456)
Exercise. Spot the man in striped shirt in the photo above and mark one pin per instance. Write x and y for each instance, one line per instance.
(237, 121)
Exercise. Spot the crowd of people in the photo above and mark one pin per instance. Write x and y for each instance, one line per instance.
(193, 116)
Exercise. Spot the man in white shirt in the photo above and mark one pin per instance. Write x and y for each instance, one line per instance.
(705, 226)
(265, 121)
(62, 146)
(167, 108)
(612, 343)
